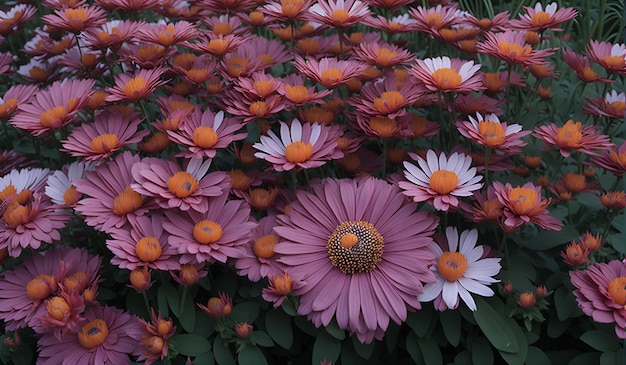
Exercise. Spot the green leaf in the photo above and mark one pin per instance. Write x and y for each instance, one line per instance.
(451, 324)
(463, 358)
(364, 350)
(564, 303)
(430, 351)
(205, 359)
(162, 302)
(495, 328)
(325, 347)
(251, 355)
(190, 345)
(420, 321)
(517, 357)
(306, 326)
(546, 240)
(187, 315)
(391, 336)
(289, 308)
(261, 338)
(278, 326)
(556, 327)
(172, 297)
(334, 330)
(222, 353)
(537, 357)
(205, 325)
(23, 357)
(600, 340)
(586, 359)
(481, 351)
(245, 312)
(413, 348)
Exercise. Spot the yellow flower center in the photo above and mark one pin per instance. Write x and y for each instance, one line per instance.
(53, 118)
(291, 8)
(339, 16)
(570, 135)
(264, 246)
(614, 61)
(148, 249)
(182, 184)
(218, 46)
(205, 137)
(540, 18)
(452, 265)
(41, 287)
(58, 308)
(389, 102)
(331, 76)
(385, 56)
(617, 290)
(263, 87)
(282, 283)
(76, 282)
(71, 196)
(136, 87)
(523, 200)
(222, 29)
(514, 50)
(258, 108)
(16, 215)
(446, 78)
(206, 232)
(93, 334)
(443, 181)
(492, 133)
(127, 201)
(433, 20)
(104, 143)
(166, 36)
(298, 152)
(618, 158)
(296, 94)
(574, 183)
(355, 247)
(235, 66)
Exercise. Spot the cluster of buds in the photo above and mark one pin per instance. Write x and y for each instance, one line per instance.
(577, 252)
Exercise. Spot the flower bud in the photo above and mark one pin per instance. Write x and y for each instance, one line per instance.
(507, 288)
(243, 330)
(218, 307)
(140, 278)
(541, 291)
(526, 300)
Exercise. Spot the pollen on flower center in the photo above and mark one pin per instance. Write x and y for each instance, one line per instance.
(204, 137)
(127, 201)
(264, 246)
(297, 93)
(182, 184)
(355, 247)
(54, 117)
(206, 232)
(41, 287)
(222, 29)
(513, 49)
(443, 181)
(93, 334)
(298, 152)
(446, 78)
(614, 61)
(540, 18)
(331, 75)
(263, 87)
(104, 143)
(385, 127)
(148, 249)
(389, 101)
(523, 200)
(136, 87)
(569, 135)
(16, 215)
(452, 265)
(617, 290)
(339, 16)
(78, 281)
(492, 132)
(58, 308)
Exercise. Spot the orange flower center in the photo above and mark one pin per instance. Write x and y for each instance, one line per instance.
(589, 74)
(443, 181)
(104, 143)
(93, 334)
(127, 201)
(331, 76)
(41, 287)
(71, 196)
(617, 290)
(574, 183)
(238, 179)
(8, 191)
(446, 78)
(492, 133)
(452, 265)
(16, 215)
(493, 82)
(77, 281)
(53, 118)
(76, 18)
(385, 56)
(291, 8)
(523, 200)
(282, 283)
(492, 209)
(182, 184)
(513, 50)
(385, 127)
(222, 29)
(264, 246)
(256, 18)
(148, 249)
(262, 198)
(166, 36)
(235, 66)
(317, 115)
(619, 106)
(540, 18)
(150, 51)
(355, 247)
(267, 59)
(339, 16)
(218, 46)
(263, 87)
(569, 135)
(389, 102)
(198, 75)
(154, 344)
(298, 152)
(433, 20)
(205, 137)
(614, 61)
(350, 162)
(296, 94)
(258, 108)
(618, 158)
(38, 73)
(8, 108)
(58, 308)
(308, 45)
(206, 232)
(136, 87)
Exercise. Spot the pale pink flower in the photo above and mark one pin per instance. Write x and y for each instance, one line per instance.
(524, 204)
(539, 19)
(492, 133)
(448, 75)
(340, 14)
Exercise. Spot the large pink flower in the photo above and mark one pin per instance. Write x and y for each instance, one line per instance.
(600, 293)
(539, 19)
(362, 250)
(610, 56)
(573, 136)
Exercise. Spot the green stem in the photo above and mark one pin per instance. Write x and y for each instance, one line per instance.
(145, 301)
(183, 297)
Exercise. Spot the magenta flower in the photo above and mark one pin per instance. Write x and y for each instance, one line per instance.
(339, 14)
(511, 47)
(329, 72)
(492, 133)
(612, 159)
(612, 105)
(610, 56)
(361, 248)
(524, 204)
(573, 136)
(539, 19)
(131, 87)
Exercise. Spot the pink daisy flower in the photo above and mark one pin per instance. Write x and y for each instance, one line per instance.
(612, 105)
(175, 187)
(486, 207)
(539, 19)
(14, 19)
(340, 14)
(111, 35)
(461, 269)
(599, 291)
(448, 75)
(204, 133)
(612, 159)
(145, 243)
(329, 72)
(470, 104)
(524, 204)
(54, 107)
(398, 24)
(107, 336)
(110, 199)
(439, 180)
(13, 97)
(167, 34)
(285, 11)
(582, 68)
(431, 20)
(610, 56)
(293, 89)
(385, 98)
(492, 133)
(299, 146)
(511, 47)
(382, 54)
(75, 20)
(107, 134)
(131, 87)
(573, 136)
(259, 259)
(218, 233)
(347, 237)
(60, 188)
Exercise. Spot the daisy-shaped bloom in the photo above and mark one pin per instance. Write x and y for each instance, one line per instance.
(470, 104)
(524, 204)
(361, 248)
(582, 67)
(398, 24)
(218, 233)
(280, 285)
(14, 19)
(107, 335)
(610, 56)
(110, 131)
(499, 22)
(145, 243)
(460, 269)
(11, 160)
(13, 97)
(612, 159)
(492, 133)
(167, 34)
(204, 133)
(431, 20)
(154, 338)
(75, 20)
(130, 87)
(511, 47)
(111, 35)
(36, 71)
(128, 5)
(217, 46)
(392, 5)
(570, 184)
(448, 75)
(299, 146)
(599, 291)
(22, 183)
(110, 198)
(382, 55)
(385, 98)
(539, 19)
(439, 180)
(329, 72)
(486, 207)
(612, 105)
(60, 187)
(293, 89)
(286, 10)
(573, 136)
(54, 107)
(340, 14)
(497, 81)
(175, 187)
